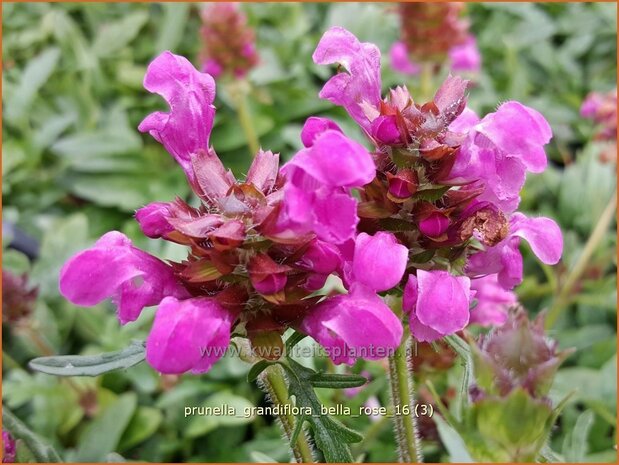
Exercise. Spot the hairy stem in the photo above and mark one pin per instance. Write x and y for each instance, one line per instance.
(401, 380)
(272, 382)
(244, 115)
(597, 235)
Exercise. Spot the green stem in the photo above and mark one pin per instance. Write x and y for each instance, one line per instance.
(401, 381)
(274, 383)
(597, 235)
(247, 125)
(426, 78)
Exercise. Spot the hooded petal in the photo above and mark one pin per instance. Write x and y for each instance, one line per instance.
(400, 61)
(315, 126)
(361, 84)
(543, 235)
(443, 301)
(321, 257)
(114, 268)
(379, 261)
(336, 161)
(356, 325)
(153, 219)
(187, 127)
(520, 132)
(188, 335)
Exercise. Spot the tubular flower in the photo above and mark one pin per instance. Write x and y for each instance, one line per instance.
(228, 43)
(434, 34)
(493, 301)
(254, 260)
(360, 324)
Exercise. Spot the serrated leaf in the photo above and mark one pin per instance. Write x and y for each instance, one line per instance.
(331, 436)
(90, 365)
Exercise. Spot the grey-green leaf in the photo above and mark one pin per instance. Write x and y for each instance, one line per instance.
(337, 381)
(90, 365)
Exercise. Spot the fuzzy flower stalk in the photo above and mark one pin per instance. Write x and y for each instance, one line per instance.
(433, 34)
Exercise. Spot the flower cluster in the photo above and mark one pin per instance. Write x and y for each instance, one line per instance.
(228, 42)
(428, 214)
(601, 108)
(9, 448)
(447, 186)
(434, 33)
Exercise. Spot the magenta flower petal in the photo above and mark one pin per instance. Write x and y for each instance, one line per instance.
(352, 167)
(188, 335)
(493, 301)
(263, 170)
(401, 62)
(321, 257)
(153, 219)
(379, 261)
(315, 126)
(187, 127)
(335, 216)
(114, 268)
(465, 57)
(543, 235)
(361, 84)
(434, 225)
(532, 130)
(443, 301)
(423, 333)
(354, 326)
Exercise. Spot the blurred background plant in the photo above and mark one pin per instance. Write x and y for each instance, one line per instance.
(74, 166)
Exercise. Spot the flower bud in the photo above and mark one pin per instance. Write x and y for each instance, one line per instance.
(402, 185)
(267, 276)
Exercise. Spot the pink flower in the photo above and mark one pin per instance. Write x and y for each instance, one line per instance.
(359, 324)
(316, 194)
(186, 129)
(315, 126)
(493, 301)
(542, 234)
(9, 445)
(189, 335)
(437, 303)
(498, 151)
(401, 62)
(360, 84)
(355, 325)
(114, 268)
(153, 219)
(465, 57)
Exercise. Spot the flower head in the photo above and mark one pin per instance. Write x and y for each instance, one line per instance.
(228, 43)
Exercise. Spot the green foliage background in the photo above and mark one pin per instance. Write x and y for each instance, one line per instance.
(74, 166)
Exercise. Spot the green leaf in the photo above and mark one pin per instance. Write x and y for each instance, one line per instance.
(259, 457)
(171, 30)
(143, 425)
(114, 36)
(431, 195)
(90, 365)
(453, 442)
(102, 436)
(336, 381)
(200, 425)
(293, 340)
(575, 446)
(331, 436)
(41, 452)
(35, 75)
